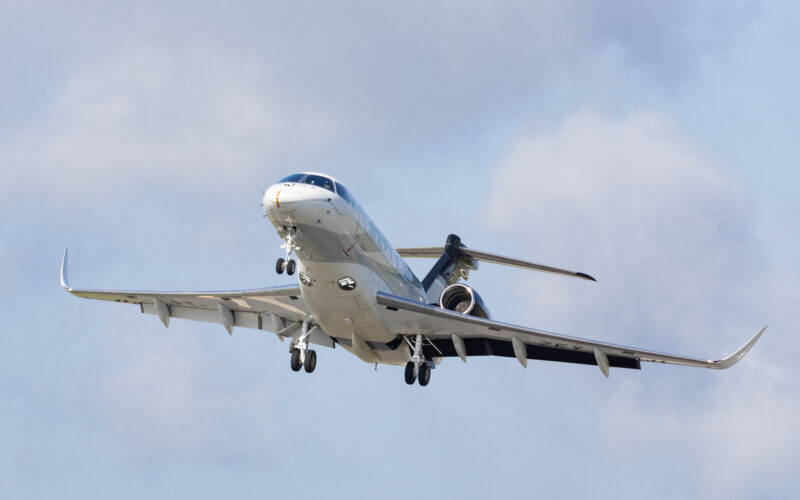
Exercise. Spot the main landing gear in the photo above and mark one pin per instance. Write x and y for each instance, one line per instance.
(417, 368)
(288, 264)
(302, 356)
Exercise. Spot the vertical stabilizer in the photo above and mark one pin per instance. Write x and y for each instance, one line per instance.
(452, 265)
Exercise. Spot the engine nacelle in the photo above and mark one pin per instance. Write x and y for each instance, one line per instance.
(463, 299)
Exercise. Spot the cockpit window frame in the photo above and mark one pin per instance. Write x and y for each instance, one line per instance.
(292, 178)
(335, 187)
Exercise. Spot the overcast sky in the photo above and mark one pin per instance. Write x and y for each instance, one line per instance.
(653, 145)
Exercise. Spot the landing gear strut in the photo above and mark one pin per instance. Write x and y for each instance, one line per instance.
(288, 264)
(302, 356)
(417, 368)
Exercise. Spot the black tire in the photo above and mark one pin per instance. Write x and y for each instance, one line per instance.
(311, 361)
(424, 374)
(280, 266)
(290, 267)
(410, 377)
(295, 362)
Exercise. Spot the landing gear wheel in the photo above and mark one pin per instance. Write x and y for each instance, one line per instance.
(295, 362)
(410, 376)
(424, 374)
(311, 360)
(290, 267)
(280, 266)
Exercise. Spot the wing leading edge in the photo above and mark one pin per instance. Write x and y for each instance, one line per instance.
(277, 309)
(450, 333)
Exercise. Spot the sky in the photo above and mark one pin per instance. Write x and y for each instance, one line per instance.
(653, 145)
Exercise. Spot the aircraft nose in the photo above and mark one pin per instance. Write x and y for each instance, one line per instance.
(270, 197)
(282, 195)
(291, 196)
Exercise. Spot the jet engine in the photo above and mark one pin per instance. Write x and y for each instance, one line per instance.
(463, 299)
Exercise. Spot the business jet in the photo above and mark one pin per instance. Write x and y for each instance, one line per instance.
(355, 291)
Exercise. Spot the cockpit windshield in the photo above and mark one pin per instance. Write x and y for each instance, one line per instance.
(292, 178)
(314, 180)
(318, 180)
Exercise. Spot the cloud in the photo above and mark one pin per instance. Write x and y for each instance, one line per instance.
(669, 237)
(634, 204)
(738, 440)
(156, 93)
(167, 395)
(148, 118)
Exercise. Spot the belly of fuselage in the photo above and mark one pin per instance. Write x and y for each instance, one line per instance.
(328, 261)
(342, 312)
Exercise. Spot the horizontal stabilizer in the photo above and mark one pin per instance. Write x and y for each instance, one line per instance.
(493, 258)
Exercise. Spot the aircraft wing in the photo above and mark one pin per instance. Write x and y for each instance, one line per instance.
(277, 309)
(449, 333)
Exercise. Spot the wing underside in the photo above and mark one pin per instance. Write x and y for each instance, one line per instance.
(450, 333)
(277, 309)
(445, 347)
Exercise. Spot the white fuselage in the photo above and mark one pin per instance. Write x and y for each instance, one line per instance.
(336, 240)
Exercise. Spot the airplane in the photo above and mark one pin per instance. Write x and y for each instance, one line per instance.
(355, 291)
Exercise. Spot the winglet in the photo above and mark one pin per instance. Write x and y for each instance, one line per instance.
(64, 280)
(735, 357)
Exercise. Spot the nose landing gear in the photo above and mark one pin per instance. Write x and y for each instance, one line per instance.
(288, 264)
(285, 265)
